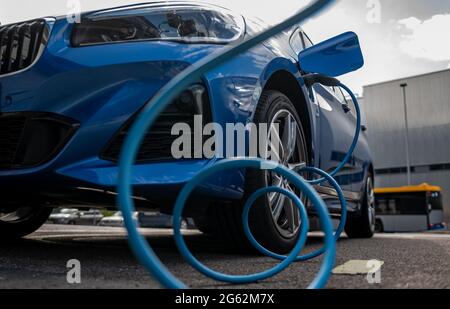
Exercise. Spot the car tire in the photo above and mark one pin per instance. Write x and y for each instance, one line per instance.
(204, 223)
(225, 218)
(363, 226)
(379, 228)
(22, 222)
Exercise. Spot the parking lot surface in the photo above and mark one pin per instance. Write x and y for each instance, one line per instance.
(39, 261)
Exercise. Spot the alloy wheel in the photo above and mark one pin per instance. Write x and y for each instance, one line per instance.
(292, 153)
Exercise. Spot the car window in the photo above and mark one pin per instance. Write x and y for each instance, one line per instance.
(386, 206)
(296, 41)
(381, 206)
(339, 95)
(332, 91)
(436, 201)
(306, 40)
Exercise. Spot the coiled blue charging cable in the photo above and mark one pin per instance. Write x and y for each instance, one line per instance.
(298, 182)
(150, 112)
(305, 186)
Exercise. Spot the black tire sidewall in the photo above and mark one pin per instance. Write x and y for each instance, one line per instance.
(380, 228)
(360, 227)
(16, 230)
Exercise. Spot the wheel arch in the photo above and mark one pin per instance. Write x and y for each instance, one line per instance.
(287, 83)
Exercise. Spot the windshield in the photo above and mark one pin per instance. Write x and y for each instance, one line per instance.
(436, 201)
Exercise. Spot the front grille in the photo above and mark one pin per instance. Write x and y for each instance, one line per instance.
(21, 44)
(31, 139)
(157, 143)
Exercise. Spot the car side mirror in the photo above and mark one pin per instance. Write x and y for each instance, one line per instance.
(334, 57)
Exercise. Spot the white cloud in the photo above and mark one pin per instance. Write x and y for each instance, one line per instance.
(426, 39)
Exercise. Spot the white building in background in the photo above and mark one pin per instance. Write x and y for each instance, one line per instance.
(428, 117)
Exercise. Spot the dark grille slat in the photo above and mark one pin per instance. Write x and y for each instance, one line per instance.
(14, 47)
(8, 49)
(12, 42)
(20, 45)
(26, 53)
(21, 36)
(37, 37)
(30, 139)
(2, 46)
(32, 45)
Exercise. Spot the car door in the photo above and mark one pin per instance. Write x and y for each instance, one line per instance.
(336, 135)
(337, 129)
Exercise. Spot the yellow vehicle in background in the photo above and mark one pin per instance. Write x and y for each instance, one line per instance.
(409, 209)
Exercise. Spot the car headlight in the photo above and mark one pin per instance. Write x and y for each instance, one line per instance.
(190, 24)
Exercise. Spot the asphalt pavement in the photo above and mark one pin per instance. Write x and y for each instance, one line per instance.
(40, 260)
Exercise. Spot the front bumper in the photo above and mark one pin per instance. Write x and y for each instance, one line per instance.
(99, 89)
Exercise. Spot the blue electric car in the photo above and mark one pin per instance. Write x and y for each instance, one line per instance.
(70, 91)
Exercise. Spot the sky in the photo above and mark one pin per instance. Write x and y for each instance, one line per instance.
(399, 38)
